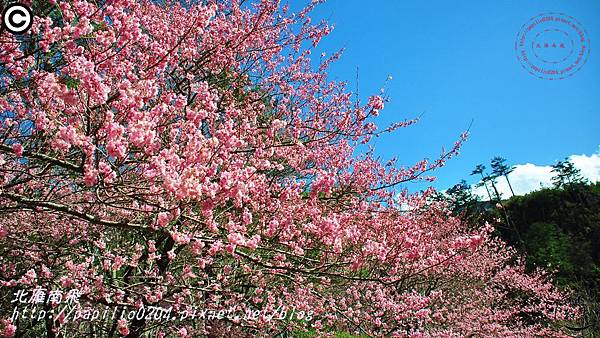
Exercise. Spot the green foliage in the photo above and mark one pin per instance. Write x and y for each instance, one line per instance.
(547, 245)
(71, 83)
(566, 174)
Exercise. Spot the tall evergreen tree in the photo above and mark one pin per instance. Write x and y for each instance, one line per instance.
(566, 174)
(479, 171)
(499, 168)
(492, 180)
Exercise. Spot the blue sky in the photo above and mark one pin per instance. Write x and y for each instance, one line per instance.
(454, 61)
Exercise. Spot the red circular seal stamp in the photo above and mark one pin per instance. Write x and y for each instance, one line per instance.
(552, 46)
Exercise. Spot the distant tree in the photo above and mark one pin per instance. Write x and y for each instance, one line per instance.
(566, 174)
(479, 169)
(465, 204)
(492, 180)
(485, 178)
(460, 194)
(459, 189)
(499, 168)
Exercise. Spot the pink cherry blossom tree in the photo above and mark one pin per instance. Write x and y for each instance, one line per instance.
(177, 159)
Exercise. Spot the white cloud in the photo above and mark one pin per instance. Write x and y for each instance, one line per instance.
(529, 177)
(589, 166)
